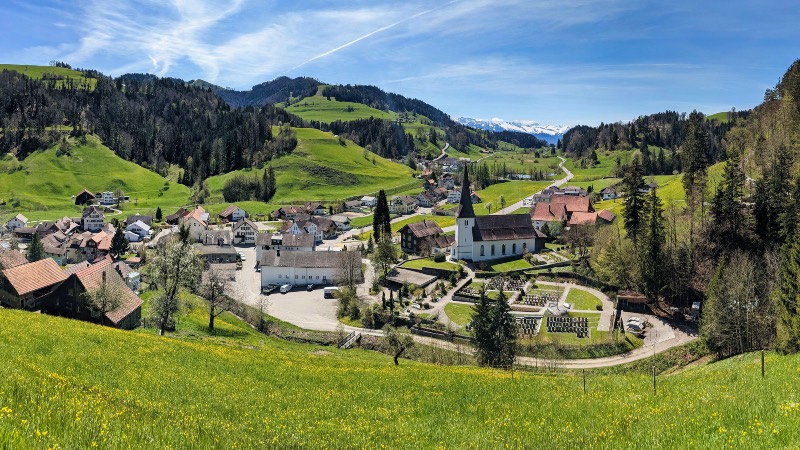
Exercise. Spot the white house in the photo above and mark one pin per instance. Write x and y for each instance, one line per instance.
(107, 198)
(402, 205)
(138, 228)
(609, 193)
(286, 241)
(369, 202)
(196, 221)
(17, 221)
(342, 222)
(300, 268)
(92, 219)
(454, 197)
(244, 232)
(232, 214)
(484, 238)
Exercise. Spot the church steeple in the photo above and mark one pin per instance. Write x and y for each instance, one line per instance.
(465, 206)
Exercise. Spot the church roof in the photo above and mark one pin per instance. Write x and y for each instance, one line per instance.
(504, 227)
(465, 205)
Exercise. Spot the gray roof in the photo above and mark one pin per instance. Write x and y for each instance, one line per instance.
(308, 260)
(297, 240)
(504, 227)
(215, 249)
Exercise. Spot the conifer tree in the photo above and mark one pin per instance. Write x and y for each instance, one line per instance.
(505, 332)
(36, 249)
(159, 214)
(633, 213)
(652, 248)
(726, 210)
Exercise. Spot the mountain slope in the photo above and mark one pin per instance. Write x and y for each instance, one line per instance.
(549, 133)
(279, 90)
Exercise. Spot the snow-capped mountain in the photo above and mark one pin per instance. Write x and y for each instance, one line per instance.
(550, 133)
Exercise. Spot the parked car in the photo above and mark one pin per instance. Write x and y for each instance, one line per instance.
(286, 288)
(241, 257)
(310, 287)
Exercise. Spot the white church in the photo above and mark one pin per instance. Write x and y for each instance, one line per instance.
(483, 238)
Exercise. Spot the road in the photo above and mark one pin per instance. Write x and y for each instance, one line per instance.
(511, 208)
(444, 151)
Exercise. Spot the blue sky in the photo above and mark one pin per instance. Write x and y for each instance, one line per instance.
(557, 62)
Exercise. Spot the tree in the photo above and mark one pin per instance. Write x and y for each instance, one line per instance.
(384, 256)
(36, 249)
(174, 266)
(726, 209)
(349, 270)
(159, 214)
(119, 244)
(787, 298)
(489, 206)
(502, 201)
(652, 248)
(397, 342)
(108, 296)
(633, 214)
(216, 291)
(494, 331)
(381, 219)
(694, 157)
(580, 237)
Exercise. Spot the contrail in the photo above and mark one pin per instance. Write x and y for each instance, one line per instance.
(361, 38)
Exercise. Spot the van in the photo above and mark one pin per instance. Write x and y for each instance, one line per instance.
(329, 292)
(286, 288)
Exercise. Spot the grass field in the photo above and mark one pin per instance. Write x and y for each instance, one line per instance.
(37, 72)
(43, 183)
(137, 390)
(460, 313)
(521, 163)
(322, 169)
(517, 264)
(320, 109)
(720, 116)
(512, 191)
(583, 300)
(429, 262)
(442, 221)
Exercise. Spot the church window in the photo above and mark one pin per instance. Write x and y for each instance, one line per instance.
(492, 249)
(514, 248)
(482, 250)
(504, 249)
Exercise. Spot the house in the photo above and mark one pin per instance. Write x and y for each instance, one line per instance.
(342, 222)
(84, 197)
(573, 203)
(609, 193)
(475, 197)
(439, 211)
(56, 253)
(325, 227)
(68, 225)
(244, 232)
(196, 221)
(353, 206)
(92, 219)
(96, 246)
(442, 244)
(26, 285)
(606, 216)
(419, 237)
(548, 213)
(440, 193)
(216, 247)
(11, 258)
(649, 187)
(128, 274)
(453, 197)
(402, 205)
(137, 231)
(591, 218)
(314, 209)
(70, 299)
(24, 234)
(17, 221)
(232, 214)
(300, 268)
(106, 197)
(148, 220)
(425, 199)
(285, 241)
(173, 219)
(483, 238)
(304, 227)
(369, 202)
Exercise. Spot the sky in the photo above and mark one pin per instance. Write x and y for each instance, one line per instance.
(556, 62)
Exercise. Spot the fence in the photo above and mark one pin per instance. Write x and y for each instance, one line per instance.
(450, 337)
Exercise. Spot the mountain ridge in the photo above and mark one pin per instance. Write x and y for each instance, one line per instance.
(549, 133)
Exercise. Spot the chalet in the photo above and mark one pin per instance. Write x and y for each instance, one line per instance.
(342, 222)
(17, 221)
(215, 247)
(24, 234)
(425, 199)
(353, 206)
(232, 214)
(70, 299)
(84, 197)
(548, 213)
(196, 221)
(137, 231)
(609, 193)
(285, 241)
(419, 237)
(300, 268)
(369, 202)
(244, 232)
(26, 285)
(174, 219)
(315, 209)
(147, 220)
(402, 205)
(92, 219)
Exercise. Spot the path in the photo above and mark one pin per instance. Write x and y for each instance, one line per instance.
(524, 202)
(444, 151)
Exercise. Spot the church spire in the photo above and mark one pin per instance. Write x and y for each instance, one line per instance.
(465, 207)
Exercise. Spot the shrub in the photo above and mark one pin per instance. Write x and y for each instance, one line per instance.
(439, 257)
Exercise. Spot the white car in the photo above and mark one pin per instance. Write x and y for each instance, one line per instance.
(241, 256)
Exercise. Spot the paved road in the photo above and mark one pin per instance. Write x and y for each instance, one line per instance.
(444, 151)
(511, 208)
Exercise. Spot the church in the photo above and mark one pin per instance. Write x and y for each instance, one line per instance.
(483, 238)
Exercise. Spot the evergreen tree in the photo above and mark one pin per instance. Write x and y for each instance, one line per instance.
(633, 182)
(482, 330)
(652, 248)
(694, 157)
(36, 249)
(159, 214)
(726, 209)
(505, 332)
(788, 298)
(381, 219)
(119, 245)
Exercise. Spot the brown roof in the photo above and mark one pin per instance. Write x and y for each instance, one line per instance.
(423, 229)
(92, 210)
(309, 260)
(298, 240)
(11, 258)
(178, 214)
(228, 211)
(444, 241)
(503, 227)
(245, 221)
(606, 215)
(573, 203)
(75, 268)
(34, 276)
(548, 212)
(91, 279)
(263, 239)
(583, 218)
(147, 220)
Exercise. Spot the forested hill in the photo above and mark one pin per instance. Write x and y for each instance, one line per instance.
(278, 90)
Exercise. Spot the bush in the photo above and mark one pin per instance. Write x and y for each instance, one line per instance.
(439, 257)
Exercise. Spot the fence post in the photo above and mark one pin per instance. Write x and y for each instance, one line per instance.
(654, 379)
(584, 381)
(762, 363)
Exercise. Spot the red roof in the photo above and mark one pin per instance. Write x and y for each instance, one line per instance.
(607, 215)
(573, 203)
(548, 212)
(11, 258)
(91, 278)
(228, 211)
(583, 218)
(34, 276)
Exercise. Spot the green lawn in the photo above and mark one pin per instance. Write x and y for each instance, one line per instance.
(512, 191)
(43, 183)
(359, 222)
(136, 390)
(320, 109)
(429, 262)
(321, 169)
(459, 313)
(442, 221)
(722, 117)
(517, 264)
(583, 300)
(520, 162)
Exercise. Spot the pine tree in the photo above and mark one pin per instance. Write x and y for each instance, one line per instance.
(788, 298)
(482, 330)
(694, 157)
(36, 249)
(381, 219)
(158, 214)
(652, 248)
(505, 332)
(119, 245)
(632, 215)
(726, 209)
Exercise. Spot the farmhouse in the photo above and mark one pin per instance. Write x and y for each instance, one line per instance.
(92, 219)
(609, 193)
(425, 199)
(173, 219)
(369, 202)
(84, 197)
(300, 268)
(547, 213)
(402, 205)
(232, 214)
(419, 237)
(17, 221)
(26, 285)
(592, 218)
(489, 237)
(244, 232)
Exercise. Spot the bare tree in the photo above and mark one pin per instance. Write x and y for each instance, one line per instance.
(581, 238)
(174, 266)
(349, 270)
(397, 342)
(217, 291)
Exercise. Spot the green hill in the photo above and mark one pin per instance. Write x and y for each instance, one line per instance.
(68, 384)
(58, 73)
(42, 185)
(321, 109)
(321, 168)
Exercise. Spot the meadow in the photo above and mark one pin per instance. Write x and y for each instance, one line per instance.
(42, 185)
(442, 221)
(429, 262)
(319, 108)
(38, 72)
(121, 389)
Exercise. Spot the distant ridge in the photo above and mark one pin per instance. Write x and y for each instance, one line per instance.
(549, 133)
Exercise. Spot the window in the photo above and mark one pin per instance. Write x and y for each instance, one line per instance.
(504, 249)
(492, 249)
(524, 246)
(295, 277)
(482, 250)
(514, 248)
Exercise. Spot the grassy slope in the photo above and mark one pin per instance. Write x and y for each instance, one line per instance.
(44, 182)
(320, 109)
(37, 72)
(134, 390)
(720, 116)
(320, 149)
(513, 191)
